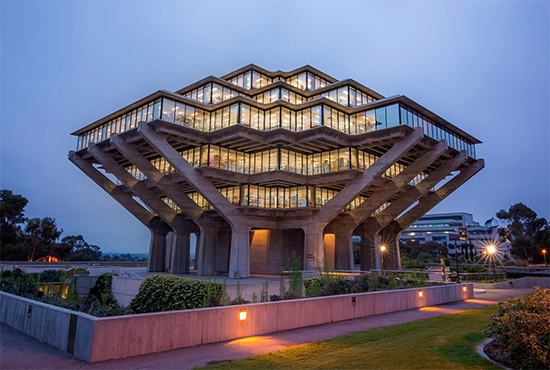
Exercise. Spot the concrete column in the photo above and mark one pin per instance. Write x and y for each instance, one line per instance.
(370, 240)
(314, 254)
(179, 263)
(205, 257)
(390, 237)
(157, 247)
(239, 259)
(343, 250)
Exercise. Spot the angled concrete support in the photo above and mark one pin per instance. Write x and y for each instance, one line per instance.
(162, 181)
(313, 249)
(427, 203)
(240, 244)
(117, 192)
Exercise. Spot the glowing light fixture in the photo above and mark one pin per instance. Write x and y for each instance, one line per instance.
(242, 315)
(463, 288)
(420, 293)
(491, 249)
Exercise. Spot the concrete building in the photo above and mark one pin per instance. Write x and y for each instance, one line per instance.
(445, 228)
(260, 164)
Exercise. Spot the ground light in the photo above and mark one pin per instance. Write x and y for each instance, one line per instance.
(491, 251)
(464, 288)
(420, 293)
(382, 251)
(544, 254)
(242, 315)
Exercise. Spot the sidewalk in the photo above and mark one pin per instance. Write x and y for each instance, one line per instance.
(19, 351)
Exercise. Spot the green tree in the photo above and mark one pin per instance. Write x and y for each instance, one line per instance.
(525, 231)
(12, 208)
(40, 235)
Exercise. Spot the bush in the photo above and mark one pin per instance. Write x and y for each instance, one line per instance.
(327, 284)
(53, 276)
(81, 271)
(160, 293)
(521, 330)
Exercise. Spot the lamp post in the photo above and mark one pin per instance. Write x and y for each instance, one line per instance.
(544, 254)
(382, 250)
(491, 251)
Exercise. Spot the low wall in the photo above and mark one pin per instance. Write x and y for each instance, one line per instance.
(133, 335)
(521, 283)
(67, 330)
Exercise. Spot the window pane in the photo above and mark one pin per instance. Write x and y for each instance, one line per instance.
(168, 108)
(392, 116)
(315, 116)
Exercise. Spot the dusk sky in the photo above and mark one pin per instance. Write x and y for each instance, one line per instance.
(482, 65)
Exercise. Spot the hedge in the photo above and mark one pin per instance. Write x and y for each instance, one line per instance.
(160, 293)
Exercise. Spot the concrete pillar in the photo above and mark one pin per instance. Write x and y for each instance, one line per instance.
(329, 251)
(390, 236)
(157, 247)
(239, 259)
(205, 257)
(179, 262)
(314, 258)
(370, 240)
(343, 251)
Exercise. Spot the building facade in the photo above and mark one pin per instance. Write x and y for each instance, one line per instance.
(445, 228)
(260, 164)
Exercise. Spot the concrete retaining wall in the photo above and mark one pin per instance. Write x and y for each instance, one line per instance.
(521, 283)
(133, 335)
(67, 330)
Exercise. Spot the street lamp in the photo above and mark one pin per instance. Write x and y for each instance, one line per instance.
(544, 254)
(382, 250)
(491, 251)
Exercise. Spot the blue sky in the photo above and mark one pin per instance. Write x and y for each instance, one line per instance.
(482, 65)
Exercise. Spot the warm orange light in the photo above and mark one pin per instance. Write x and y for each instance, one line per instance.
(544, 251)
(382, 248)
(242, 315)
(463, 288)
(420, 294)
(491, 249)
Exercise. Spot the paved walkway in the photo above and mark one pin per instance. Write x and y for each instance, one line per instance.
(19, 351)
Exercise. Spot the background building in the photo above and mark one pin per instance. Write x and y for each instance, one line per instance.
(261, 164)
(445, 228)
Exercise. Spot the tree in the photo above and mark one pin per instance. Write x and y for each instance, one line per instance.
(527, 233)
(12, 216)
(41, 235)
(415, 250)
(79, 249)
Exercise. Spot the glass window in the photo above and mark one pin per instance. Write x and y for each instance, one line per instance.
(168, 107)
(315, 116)
(285, 118)
(234, 114)
(216, 94)
(310, 82)
(245, 115)
(380, 118)
(301, 82)
(392, 115)
(343, 96)
(256, 80)
(180, 113)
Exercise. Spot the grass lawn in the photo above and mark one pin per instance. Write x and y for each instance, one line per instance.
(443, 342)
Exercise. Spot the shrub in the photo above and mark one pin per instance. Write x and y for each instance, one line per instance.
(275, 298)
(521, 330)
(81, 271)
(328, 284)
(160, 293)
(52, 276)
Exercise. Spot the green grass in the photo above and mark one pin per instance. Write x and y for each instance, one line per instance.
(443, 342)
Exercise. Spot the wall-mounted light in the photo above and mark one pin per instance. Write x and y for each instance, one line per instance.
(420, 293)
(463, 288)
(353, 301)
(242, 315)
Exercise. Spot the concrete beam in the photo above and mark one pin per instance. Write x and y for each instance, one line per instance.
(427, 203)
(146, 195)
(163, 182)
(123, 198)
